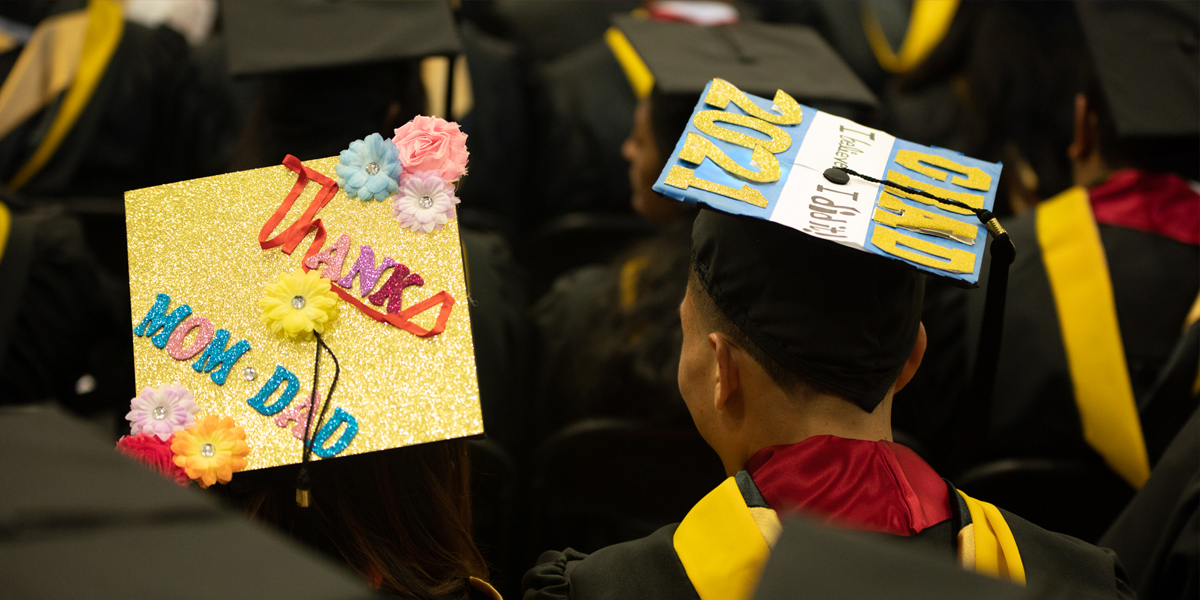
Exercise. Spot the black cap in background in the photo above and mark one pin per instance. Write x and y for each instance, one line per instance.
(79, 520)
(758, 58)
(1145, 56)
(814, 561)
(273, 36)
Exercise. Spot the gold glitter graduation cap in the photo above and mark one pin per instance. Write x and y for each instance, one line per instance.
(223, 269)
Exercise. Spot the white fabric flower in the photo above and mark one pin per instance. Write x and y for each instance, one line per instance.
(162, 411)
(424, 202)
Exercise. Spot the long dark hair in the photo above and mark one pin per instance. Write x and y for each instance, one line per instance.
(401, 518)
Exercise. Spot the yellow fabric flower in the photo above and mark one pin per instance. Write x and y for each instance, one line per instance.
(211, 451)
(299, 304)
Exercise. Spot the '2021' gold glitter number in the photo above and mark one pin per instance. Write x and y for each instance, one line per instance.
(721, 93)
(706, 122)
(697, 147)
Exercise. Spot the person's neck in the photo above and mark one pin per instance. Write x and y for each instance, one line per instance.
(1089, 172)
(811, 417)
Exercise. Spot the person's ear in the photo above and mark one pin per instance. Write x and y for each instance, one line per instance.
(727, 370)
(914, 360)
(1083, 142)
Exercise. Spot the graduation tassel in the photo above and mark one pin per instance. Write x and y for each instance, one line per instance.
(972, 417)
(302, 526)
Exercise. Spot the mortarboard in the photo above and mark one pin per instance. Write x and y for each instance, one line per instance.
(307, 301)
(824, 562)
(681, 58)
(272, 36)
(76, 521)
(814, 180)
(1145, 56)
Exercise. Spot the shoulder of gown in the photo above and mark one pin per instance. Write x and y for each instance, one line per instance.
(643, 568)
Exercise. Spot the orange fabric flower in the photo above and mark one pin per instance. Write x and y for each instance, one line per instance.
(211, 451)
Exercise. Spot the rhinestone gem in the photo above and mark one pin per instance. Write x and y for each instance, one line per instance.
(207, 450)
(160, 412)
(249, 373)
(298, 302)
(425, 202)
(372, 168)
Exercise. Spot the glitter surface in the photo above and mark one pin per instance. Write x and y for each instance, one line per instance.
(197, 241)
(204, 335)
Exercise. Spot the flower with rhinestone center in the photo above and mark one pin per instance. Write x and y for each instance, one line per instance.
(425, 202)
(163, 411)
(370, 168)
(299, 304)
(211, 451)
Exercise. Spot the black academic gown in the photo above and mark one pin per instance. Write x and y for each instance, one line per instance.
(156, 116)
(1155, 280)
(610, 336)
(651, 567)
(1158, 535)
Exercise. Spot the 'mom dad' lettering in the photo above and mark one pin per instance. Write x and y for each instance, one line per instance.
(170, 330)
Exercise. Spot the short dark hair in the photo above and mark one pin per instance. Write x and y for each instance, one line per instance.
(711, 316)
(1173, 154)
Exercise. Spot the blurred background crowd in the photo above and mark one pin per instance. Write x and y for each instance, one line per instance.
(576, 269)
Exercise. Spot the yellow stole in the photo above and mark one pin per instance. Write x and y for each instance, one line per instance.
(928, 23)
(724, 544)
(70, 52)
(1087, 315)
(5, 228)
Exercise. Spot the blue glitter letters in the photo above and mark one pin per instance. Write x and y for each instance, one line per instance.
(339, 416)
(156, 319)
(259, 401)
(216, 354)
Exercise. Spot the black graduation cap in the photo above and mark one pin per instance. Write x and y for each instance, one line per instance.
(815, 561)
(271, 36)
(79, 520)
(844, 319)
(1145, 56)
(756, 57)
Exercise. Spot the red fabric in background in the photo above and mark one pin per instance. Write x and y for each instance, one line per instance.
(857, 484)
(1161, 203)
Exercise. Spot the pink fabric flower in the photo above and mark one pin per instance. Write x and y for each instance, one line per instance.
(430, 144)
(424, 203)
(153, 453)
(162, 411)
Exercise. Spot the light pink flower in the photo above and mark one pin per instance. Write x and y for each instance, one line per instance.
(162, 411)
(424, 203)
(433, 145)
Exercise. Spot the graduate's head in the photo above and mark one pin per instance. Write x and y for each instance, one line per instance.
(1141, 90)
(401, 518)
(658, 121)
(669, 63)
(786, 336)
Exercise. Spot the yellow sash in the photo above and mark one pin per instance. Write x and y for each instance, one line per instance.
(720, 545)
(5, 227)
(1087, 315)
(45, 68)
(1192, 317)
(927, 25)
(724, 544)
(105, 25)
(987, 546)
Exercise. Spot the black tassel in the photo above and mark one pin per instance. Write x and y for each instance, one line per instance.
(302, 526)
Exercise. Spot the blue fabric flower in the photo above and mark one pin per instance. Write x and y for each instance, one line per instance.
(369, 168)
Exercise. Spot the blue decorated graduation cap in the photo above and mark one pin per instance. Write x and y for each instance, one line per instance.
(834, 179)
